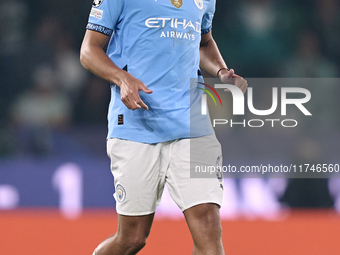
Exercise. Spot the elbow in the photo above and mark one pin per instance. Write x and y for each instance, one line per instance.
(83, 57)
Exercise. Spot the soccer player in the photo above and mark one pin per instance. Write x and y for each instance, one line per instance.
(155, 48)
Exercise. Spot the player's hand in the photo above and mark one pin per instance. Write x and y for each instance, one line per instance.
(129, 95)
(231, 78)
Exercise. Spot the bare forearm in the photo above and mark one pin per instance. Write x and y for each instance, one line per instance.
(94, 59)
(211, 59)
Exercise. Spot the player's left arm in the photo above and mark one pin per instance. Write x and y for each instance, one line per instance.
(212, 62)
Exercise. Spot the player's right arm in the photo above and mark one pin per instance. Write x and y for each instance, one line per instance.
(93, 58)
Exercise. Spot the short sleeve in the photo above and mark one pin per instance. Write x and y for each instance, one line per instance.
(105, 15)
(208, 16)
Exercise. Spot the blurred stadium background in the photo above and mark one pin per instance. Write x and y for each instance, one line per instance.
(55, 183)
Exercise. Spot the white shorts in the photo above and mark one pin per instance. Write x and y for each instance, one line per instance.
(141, 170)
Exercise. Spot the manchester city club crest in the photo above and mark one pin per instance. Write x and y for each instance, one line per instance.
(120, 193)
(199, 4)
(97, 3)
(177, 3)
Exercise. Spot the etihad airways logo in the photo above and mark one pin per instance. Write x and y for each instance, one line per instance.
(170, 26)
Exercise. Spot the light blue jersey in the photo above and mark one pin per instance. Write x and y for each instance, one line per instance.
(157, 41)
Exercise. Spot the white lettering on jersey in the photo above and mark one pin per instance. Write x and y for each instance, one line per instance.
(178, 35)
(173, 22)
(164, 20)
